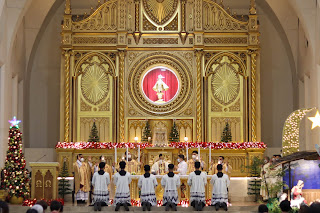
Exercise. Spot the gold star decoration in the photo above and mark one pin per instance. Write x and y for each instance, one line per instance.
(315, 120)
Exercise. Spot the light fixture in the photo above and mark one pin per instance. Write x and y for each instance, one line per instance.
(186, 139)
(136, 139)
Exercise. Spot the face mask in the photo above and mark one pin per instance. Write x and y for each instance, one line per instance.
(194, 156)
(179, 160)
(81, 159)
(103, 160)
(265, 161)
(129, 156)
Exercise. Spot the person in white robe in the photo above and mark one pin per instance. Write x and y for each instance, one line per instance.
(100, 183)
(160, 167)
(265, 179)
(220, 183)
(182, 166)
(121, 180)
(170, 182)
(147, 184)
(197, 181)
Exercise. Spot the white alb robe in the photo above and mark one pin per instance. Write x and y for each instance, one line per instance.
(197, 185)
(159, 167)
(170, 185)
(219, 189)
(182, 168)
(147, 186)
(122, 194)
(100, 187)
(265, 181)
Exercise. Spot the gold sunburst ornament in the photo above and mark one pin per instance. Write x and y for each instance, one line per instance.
(160, 11)
(315, 120)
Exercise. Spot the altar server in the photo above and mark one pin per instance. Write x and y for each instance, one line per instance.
(100, 182)
(220, 183)
(160, 167)
(170, 182)
(197, 181)
(226, 167)
(195, 158)
(121, 180)
(182, 166)
(82, 176)
(147, 184)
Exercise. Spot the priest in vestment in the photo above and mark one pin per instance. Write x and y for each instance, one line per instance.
(82, 176)
(195, 158)
(226, 167)
(132, 166)
(265, 179)
(107, 168)
(160, 167)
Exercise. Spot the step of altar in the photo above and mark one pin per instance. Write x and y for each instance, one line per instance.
(89, 209)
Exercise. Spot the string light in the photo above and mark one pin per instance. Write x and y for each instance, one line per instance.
(290, 138)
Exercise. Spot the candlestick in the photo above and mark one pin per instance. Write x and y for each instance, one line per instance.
(139, 154)
(127, 153)
(199, 153)
(115, 154)
(209, 154)
(186, 140)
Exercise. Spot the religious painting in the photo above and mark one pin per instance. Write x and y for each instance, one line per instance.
(160, 85)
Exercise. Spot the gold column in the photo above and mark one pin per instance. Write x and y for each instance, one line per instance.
(137, 33)
(199, 95)
(121, 94)
(67, 96)
(253, 96)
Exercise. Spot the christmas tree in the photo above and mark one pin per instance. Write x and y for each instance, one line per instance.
(146, 132)
(94, 137)
(64, 185)
(226, 134)
(15, 173)
(174, 135)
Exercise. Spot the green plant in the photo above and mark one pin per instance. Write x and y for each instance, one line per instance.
(174, 135)
(226, 134)
(274, 206)
(64, 185)
(94, 137)
(254, 170)
(276, 173)
(146, 132)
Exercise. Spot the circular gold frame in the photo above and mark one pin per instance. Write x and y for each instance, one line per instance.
(160, 59)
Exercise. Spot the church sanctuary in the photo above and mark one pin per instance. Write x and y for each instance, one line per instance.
(159, 105)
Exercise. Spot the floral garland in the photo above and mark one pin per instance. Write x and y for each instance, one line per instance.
(30, 203)
(178, 145)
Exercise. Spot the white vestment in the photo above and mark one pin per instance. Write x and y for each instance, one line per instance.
(147, 186)
(170, 185)
(122, 194)
(219, 189)
(197, 185)
(265, 181)
(100, 187)
(182, 168)
(159, 167)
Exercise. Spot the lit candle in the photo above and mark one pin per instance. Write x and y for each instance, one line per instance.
(136, 139)
(115, 154)
(127, 152)
(139, 154)
(199, 153)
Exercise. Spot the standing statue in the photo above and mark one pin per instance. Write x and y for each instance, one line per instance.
(160, 87)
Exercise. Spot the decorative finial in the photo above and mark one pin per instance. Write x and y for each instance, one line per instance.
(253, 10)
(67, 9)
(92, 10)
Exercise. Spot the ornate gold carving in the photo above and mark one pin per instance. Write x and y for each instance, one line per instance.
(199, 95)
(183, 15)
(122, 14)
(132, 111)
(95, 81)
(121, 94)
(67, 96)
(67, 9)
(215, 107)
(147, 25)
(217, 19)
(226, 40)
(164, 59)
(198, 14)
(253, 96)
(105, 106)
(84, 107)
(224, 120)
(94, 40)
(173, 25)
(160, 11)
(132, 55)
(225, 83)
(102, 20)
(235, 107)
(160, 41)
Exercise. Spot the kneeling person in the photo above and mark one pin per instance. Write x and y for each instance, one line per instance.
(170, 182)
(147, 184)
(100, 182)
(220, 183)
(121, 180)
(197, 180)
